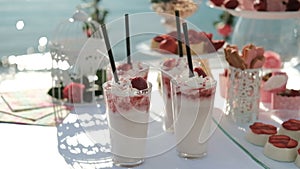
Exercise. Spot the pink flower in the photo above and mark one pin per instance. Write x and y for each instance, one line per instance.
(74, 92)
(224, 29)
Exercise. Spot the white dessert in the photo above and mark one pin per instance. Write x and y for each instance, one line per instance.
(259, 133)
(168, 71)
(292, 133)
(257, 139)
(193, 105)
(297, 161)
(128, 121)
(283, 154)
(290, 128)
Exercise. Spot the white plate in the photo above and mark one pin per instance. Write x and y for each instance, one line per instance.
(237, 134)
(257, 14)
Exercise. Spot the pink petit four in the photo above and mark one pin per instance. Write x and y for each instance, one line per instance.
(258, 133)
(281, 148)
(288, 99)
(290, 128)
(272, 61)
(272, 83)
(223, 80)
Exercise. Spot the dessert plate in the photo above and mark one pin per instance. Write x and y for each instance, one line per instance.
(144, 47)
(257, 14)
(237, 134)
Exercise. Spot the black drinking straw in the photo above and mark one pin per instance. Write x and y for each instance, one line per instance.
(110, 54)
(178, 33)
(188, 50)
(127, 39)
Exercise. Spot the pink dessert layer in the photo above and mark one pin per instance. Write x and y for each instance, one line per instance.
(266, 96)
(285, 102)
(223, 80)
(166, 84)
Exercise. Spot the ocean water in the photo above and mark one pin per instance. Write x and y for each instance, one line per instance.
(26, 26)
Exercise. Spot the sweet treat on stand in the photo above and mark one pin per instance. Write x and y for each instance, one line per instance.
(288, 99)
(185, 7)
(290, 128)
(273, 60)
(223, 81)
(281, 148)
(297, 161)
(272, 83)
(200, 43)
(258, 133)
(252, 57)
(259, 5)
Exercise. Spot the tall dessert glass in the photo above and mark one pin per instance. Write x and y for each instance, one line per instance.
(169, 69)
(193, 100)
(127, 109)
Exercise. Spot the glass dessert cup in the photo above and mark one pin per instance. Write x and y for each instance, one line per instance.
(128, 115)
(166, 76)
(192, 117)
(125, 70)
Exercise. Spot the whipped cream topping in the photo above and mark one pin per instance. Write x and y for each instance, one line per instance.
(195, 82)
(136, 67)
(123, 88)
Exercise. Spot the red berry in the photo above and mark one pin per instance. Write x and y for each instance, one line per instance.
(260, 5)
(224, 29)
(168, 45)
(73, 92)
(200, 71)
(139, 83)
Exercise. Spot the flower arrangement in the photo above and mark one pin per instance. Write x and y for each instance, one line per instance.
(224, 25)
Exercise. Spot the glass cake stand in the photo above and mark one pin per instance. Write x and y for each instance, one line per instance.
(276, 31)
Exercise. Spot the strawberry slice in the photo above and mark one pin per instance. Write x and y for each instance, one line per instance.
(168, 45)
(291, 124)
(283, 141)
(139, 83)
(262, 128)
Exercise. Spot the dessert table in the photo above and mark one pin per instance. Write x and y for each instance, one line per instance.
(34, 146)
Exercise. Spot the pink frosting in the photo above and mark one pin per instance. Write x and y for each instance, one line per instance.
(284, 102)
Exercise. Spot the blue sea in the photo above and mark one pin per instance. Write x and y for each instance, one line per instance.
(28, 24)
